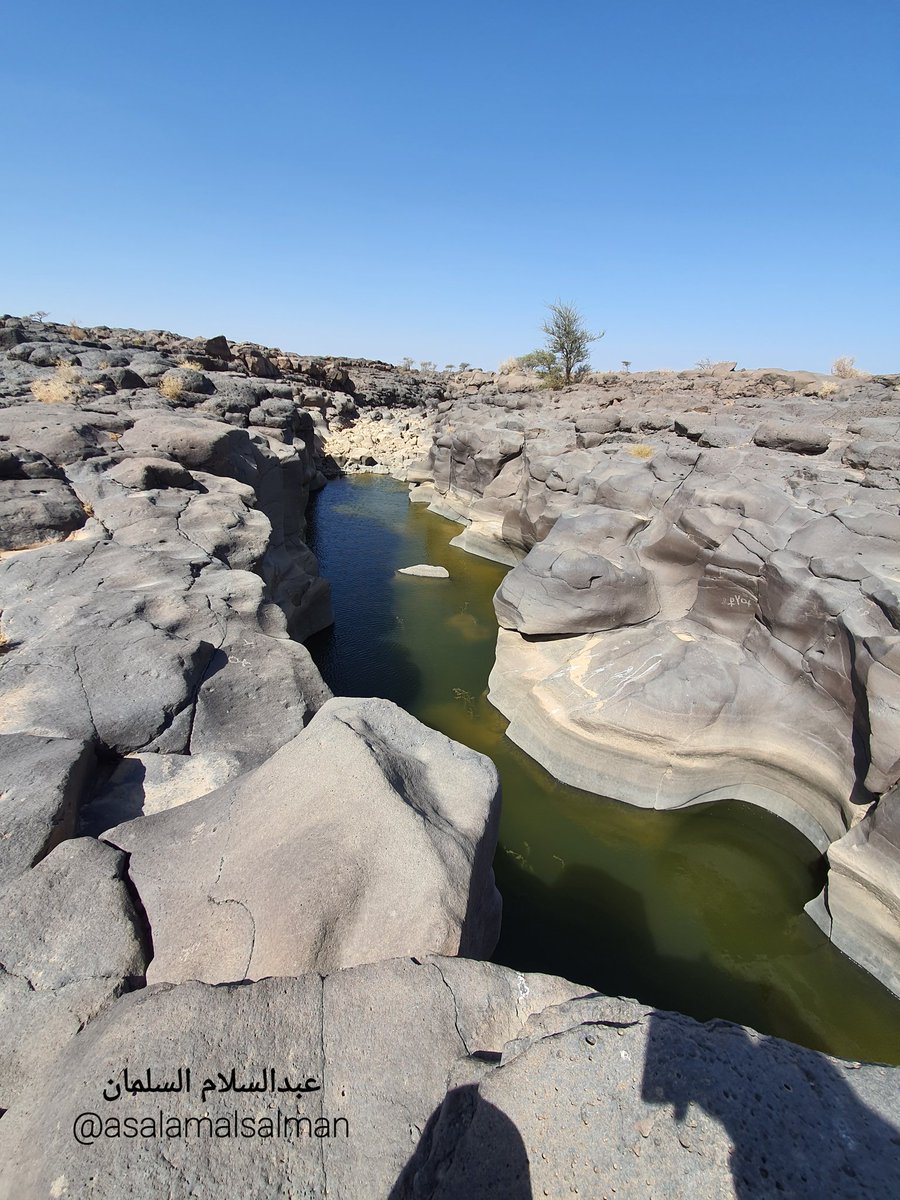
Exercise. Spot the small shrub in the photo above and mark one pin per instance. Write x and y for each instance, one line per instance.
(641, 450)
(826, 389)
(541, 361)
(62, 385)
(171, 387)
(843, 367)
(189, 364)
(508, 366)
(75, 332)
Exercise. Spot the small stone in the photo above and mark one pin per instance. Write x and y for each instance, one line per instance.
(426, 571)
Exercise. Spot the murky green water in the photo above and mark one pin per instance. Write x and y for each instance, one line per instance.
(699, 911)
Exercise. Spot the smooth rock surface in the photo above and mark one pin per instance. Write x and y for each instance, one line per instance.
(366, 836)
(426, 571)
(704, 597)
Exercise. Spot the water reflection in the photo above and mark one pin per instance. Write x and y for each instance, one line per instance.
(700, 911)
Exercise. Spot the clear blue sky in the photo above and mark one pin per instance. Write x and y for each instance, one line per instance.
(714, 179)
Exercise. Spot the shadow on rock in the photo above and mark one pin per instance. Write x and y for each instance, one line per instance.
(468, 1149)
(795, 1125)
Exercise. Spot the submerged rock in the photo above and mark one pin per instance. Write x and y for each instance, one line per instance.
(426, 571)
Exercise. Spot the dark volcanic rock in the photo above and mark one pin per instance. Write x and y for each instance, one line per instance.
(455, 1079)
(400, 821)
(37, 510)
(69, 944)
(801, 439)
(41, 782)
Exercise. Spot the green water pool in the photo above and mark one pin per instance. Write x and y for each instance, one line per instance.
(699, 911)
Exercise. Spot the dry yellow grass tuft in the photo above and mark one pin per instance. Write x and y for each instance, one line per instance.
(171, 387)
(828, 388)
(75, 332)
(60, 387)
(190, 365)
(641, 450)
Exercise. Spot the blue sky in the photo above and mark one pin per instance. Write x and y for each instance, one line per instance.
(702, 180)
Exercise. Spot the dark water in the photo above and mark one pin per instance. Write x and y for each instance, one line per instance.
(699, 911)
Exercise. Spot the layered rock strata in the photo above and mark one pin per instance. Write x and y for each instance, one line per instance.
(704, 600)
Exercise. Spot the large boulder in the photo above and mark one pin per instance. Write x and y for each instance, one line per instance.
(366, 836)
(70, 942)
(37, 510)
(800, 439)
(440, 1078)
(583, 577)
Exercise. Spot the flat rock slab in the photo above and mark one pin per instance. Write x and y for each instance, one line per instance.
(366, 836)
(441, 1078)
(426, 571)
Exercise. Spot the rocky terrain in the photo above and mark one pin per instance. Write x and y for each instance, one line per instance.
(704, 602)
(213, 871)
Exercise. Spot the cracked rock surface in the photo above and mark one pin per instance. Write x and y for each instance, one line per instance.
(456, 1079)
(70, 942)
(366, 836)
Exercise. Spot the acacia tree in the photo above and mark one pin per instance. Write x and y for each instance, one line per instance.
(568, 339)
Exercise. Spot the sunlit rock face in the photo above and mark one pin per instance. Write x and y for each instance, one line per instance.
(702, 603)
(365, 837)
(441, 1077)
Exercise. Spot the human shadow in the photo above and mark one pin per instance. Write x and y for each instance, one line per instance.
(468, 1149)
(796, 1125)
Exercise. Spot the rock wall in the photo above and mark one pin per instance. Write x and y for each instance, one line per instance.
(704, 601)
